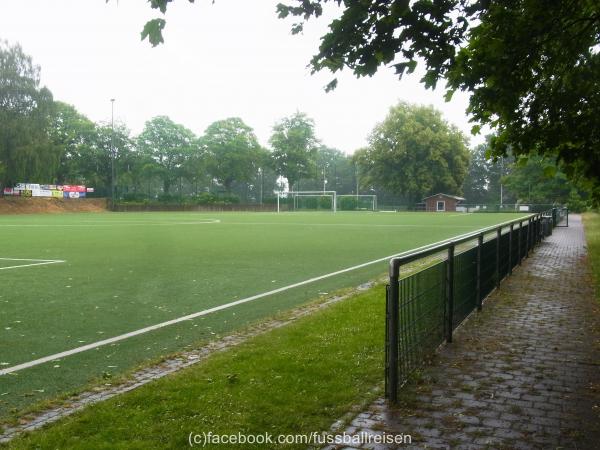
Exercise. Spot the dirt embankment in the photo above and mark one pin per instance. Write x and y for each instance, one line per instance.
(31, 205)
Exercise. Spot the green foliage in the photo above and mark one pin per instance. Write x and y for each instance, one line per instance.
(153, 31)
(539, 180)
(201, 199)
(294, 147)
(348, 204)
(74, 134)
(25, 112)
(532, 67)
(169, 146)
(591, 222)
(415, 152)
(482, 182)
(233, 152)
(310, 203)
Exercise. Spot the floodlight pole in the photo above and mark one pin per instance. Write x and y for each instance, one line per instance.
(112, 153)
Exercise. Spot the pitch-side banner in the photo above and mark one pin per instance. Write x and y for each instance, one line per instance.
(41, 193)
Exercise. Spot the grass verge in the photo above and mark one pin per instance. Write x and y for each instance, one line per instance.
(294, 380)
(591, 221)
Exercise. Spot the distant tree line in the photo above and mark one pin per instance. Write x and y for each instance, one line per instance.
(412, 153)
(535, 179)
(48, 141)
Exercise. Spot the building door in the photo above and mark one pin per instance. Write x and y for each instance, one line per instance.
(441, 205)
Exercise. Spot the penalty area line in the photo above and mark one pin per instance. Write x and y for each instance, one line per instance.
(121, 337)
(39, 262)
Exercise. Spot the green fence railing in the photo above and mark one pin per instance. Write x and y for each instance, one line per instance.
(424, 308)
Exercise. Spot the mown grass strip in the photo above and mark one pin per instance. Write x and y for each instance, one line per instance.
(297, 379)
(591, 222)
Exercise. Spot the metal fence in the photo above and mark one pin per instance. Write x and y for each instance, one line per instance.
(561, 217)
(424, 308)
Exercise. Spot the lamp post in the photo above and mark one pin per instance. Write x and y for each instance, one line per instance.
(112, 153)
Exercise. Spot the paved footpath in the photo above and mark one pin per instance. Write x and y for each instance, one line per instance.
(522, 374)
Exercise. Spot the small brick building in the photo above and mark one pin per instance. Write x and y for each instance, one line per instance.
(441, 202)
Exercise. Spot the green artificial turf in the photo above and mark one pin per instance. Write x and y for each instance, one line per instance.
(126, 271)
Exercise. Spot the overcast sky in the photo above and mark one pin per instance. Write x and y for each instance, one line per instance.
(227, 59)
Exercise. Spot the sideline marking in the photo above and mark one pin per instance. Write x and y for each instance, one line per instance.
(122, 337)
(355, 225)
(38, 262)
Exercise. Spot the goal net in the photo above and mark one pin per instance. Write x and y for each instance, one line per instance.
(353, 202)
(307, 201)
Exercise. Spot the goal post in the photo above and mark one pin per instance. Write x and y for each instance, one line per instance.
(354, 202)
(298, 196)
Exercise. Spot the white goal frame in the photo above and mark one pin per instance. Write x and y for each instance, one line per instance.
(357, 196)
(296, 194)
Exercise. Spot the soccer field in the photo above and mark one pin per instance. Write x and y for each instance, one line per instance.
(87, 296)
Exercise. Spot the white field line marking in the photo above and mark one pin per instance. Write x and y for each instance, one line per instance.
(29, 259)
(363, 225)
(38, 262)
(122, 337)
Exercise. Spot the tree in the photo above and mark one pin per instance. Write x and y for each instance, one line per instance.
(169, 145)
(538, 180)
(25, 111)
(294, 147)
(232, 150)
(414, 152)
(94, 160)
(532, 66)
(482, 182)
(72, 134)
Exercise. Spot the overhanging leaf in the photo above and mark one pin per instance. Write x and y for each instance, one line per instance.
(153, 31)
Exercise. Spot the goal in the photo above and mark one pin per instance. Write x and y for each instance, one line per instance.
(308, 200)
(353, 202)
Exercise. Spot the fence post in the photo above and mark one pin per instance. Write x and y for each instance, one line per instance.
(528, 242)
(450, 291)
(510, 246)
(387, 341)
(479, 250)
(520, 239)
(498, 236)
(392, 331)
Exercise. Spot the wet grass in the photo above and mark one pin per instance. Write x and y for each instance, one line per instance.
(296, 379)
(591, 221)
